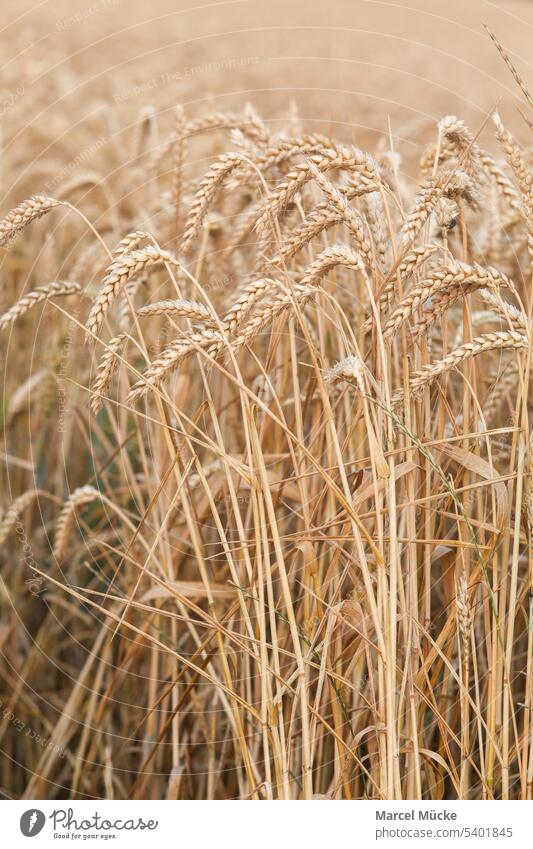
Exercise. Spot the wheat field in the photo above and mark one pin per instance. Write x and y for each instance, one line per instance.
(266, 494)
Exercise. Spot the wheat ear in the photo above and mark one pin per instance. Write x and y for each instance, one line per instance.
(339, 203)
(350, 159)
(498, 340)
(507, 311)
(464, 616)
(130, 242)
(172, 356)
(179, 158)
(443, 279)
(43, 293)
(328, 259)
(209, 186)
(106, 369)
(122, 269)
(411, 262)
(65, 521)
(180, 307)
(252, 293)
(300, 294)
(9, 519)
(28, 211)
(447, 296)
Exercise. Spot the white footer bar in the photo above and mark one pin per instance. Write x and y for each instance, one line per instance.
(318, 824)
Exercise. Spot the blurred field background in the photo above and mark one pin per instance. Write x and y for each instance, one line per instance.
(352, 66)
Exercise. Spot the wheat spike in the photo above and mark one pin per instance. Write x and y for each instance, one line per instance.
(350, 159)
(179, 158)
(496, 341)
(9, 519)
(106, 368)
(443, 280)
(412, 261)
(351, 369)
(28, 211)
(190, 309)
(464, 615)
(43, 293)
(329, 259)
(205, 195)
(122, 269)
(81, 496)
(252, 293)
(172, 356)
